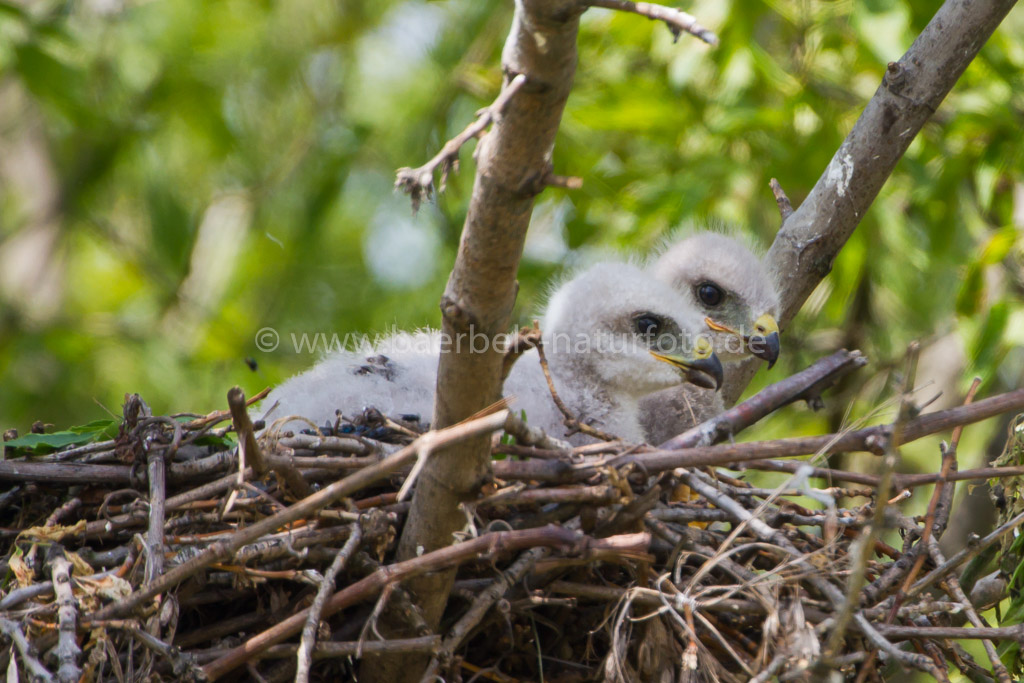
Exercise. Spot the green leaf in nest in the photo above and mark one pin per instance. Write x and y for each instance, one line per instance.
(40, 444)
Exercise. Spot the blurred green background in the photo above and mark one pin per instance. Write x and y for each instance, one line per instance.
(176, 176)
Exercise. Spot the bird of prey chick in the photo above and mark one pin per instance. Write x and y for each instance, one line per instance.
(722, 278)
(611, 335)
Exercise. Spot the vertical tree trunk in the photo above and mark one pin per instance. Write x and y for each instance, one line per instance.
(513, 161)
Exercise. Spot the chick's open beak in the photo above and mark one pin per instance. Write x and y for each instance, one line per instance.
(703, 367)
(765, 343)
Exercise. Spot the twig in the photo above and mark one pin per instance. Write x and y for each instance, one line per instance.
(316, 609)
(942, 499)
(326, 444)
(182, 665)
(157, 499)
(86, 449)
(418, 183)
(948, 465)
(751, 454)
(678, 22)
(900, 481)
(965, 604)
(807, 384)
(835, 596)
(570, 420)
(297, 486)
(12, 630)
(62, 472)
(483, 602)
(1014, 633)
(972, 550)
(331, 649)
(874, 530)
(785, 207)
(223, 550)
(221, 415)
(68, 651)
(526, 338)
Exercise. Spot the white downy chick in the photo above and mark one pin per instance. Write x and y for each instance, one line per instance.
(599, 331)
(721, 277)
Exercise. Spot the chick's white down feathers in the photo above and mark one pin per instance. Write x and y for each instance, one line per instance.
(599, 361)
(748, 293)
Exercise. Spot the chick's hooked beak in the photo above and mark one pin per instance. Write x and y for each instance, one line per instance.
(702, 368)
(765, 343)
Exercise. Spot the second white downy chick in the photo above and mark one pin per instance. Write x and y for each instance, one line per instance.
(727, 282)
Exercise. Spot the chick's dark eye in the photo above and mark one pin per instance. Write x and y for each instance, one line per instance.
(648, 324)
(709, 294)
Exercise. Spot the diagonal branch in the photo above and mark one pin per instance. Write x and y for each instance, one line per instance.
(911, 91)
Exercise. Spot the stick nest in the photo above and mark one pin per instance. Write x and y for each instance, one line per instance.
(601, 562)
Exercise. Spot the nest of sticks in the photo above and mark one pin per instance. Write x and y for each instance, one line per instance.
(189, 548)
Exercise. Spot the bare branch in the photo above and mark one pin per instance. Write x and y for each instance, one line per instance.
(678, 22)
(418, 183)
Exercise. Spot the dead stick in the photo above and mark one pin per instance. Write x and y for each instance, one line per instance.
(417, 182)
(677, 21)
(753, 453)
(901, 481)
(569, 420)
(309, 629)
(1015, 632)
(221, 415)
(806, 384)
(858, 574)
(349, 649)
(247, 444)
(948, 465)
(67, 651)
(957, 592)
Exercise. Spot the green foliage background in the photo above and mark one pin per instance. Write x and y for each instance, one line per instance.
(178, 175)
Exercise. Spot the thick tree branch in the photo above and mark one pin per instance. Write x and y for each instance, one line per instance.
(911, 91)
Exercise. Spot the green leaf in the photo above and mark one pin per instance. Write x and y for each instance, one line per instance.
(39, 444)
